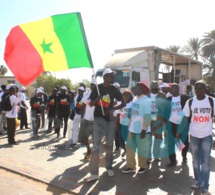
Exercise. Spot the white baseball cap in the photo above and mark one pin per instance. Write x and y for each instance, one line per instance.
(39, 91)
(42, 88)
(81, 88)
(64, 88)
(108, 71)
(22, 89)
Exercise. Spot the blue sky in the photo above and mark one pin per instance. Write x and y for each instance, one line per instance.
(116, 24)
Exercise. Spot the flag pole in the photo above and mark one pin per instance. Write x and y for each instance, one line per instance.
(98, 92)
(89, 57)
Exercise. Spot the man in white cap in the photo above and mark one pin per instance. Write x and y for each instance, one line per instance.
(86, 127)
(63, 110)
(103, 122)
(23, 108)
(77, 118)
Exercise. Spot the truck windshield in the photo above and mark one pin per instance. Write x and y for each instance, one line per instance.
(122, 77)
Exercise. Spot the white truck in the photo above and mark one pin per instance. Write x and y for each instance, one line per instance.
(151, 63)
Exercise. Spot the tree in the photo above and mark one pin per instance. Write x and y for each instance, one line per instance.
(208, 48)
(3, 70)
(193, 48)
(174, 48)
(208, 51)
(47, 82)
(209, 66)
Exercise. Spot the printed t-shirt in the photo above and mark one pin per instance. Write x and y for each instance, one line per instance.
(89, 111)
(63, 103)
(176, 110)
(108, 94)
(52, 101)
(35, 103)
(201, 122)
(140, 107)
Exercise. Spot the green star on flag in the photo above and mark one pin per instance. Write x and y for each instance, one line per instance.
(46, 47)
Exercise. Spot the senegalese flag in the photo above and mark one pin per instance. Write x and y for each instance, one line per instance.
(52, 44)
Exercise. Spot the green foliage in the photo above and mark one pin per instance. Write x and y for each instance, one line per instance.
(193, 48)
(48, 82)
(3, 70)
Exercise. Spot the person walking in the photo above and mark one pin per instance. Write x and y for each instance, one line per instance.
(23, 109)
(138, 137)
(77, 118)
(124, 120)
(11, 116)
(200, 109)
(86, 127)
(63, 110)
(35, 103)
(51, 109)
(157, 119)
(103, 122)
(175, 105)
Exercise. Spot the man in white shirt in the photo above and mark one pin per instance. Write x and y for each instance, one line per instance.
(201, 113)
(11, 116)
(23, 108)
(86, 127)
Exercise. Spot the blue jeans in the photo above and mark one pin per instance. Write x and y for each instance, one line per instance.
(102, 127)
(200, 150)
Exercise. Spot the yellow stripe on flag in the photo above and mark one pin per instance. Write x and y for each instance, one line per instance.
(42, 36)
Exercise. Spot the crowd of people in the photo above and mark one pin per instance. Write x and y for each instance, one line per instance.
(138, 121)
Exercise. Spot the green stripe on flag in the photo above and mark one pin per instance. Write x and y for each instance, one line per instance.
(73, 39)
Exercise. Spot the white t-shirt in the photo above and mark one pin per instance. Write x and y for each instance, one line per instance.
(21, 97)
(201, 121)
(1, 94)
(89, 112)
(13, 113)
(176, 110)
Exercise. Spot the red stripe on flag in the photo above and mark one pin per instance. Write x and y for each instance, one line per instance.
(21, 57)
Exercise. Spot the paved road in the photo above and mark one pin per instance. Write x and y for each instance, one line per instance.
(20, 182)
(49, 159)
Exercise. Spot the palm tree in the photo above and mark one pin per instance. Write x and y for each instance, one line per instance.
(208, 52)
(193, 49)
(174, 48)
(209, 66)
(3, 70)
(208, 47)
